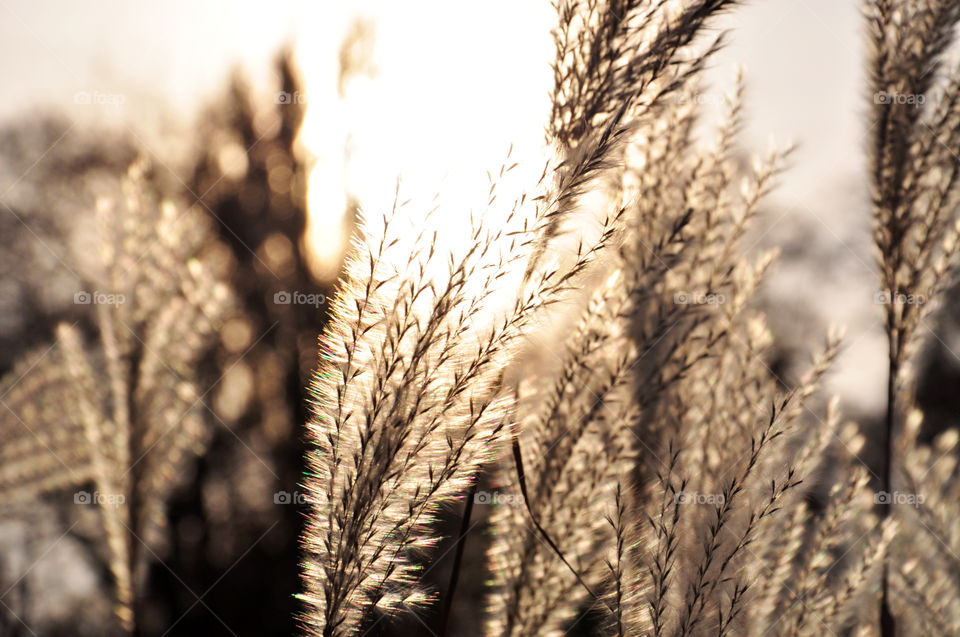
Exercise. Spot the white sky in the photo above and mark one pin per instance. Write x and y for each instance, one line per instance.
(802, 57)
(457, 83)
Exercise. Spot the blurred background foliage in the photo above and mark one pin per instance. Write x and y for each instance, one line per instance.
(233, 540)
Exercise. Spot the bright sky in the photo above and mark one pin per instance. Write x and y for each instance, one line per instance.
(448, 70)
(454, 84)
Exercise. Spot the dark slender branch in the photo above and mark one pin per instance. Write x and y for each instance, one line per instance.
(518, 458)
(890, 422)
(887, 624)
(458, 559)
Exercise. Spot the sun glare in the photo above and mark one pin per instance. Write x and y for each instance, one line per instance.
(425, 98)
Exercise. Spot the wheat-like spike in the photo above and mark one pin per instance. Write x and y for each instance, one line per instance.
(857, 582)
(810, 586)
(619, 562)
(783, 552)
(914, 191)
(131, 427)
(36, 458)
(926, 570)
(409, 406)
(787, 543)
(711, 271)
(116, 518)
(610, 52)
(737, 526)
(401, 401)
(533, 580)
(543, 593)
(662, 561)
(928, 609)
(712, 567)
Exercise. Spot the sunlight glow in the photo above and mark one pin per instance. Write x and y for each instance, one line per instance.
(437, 105)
